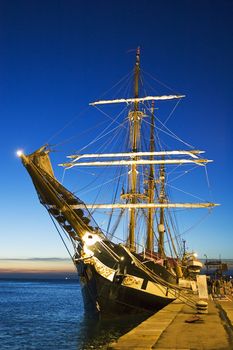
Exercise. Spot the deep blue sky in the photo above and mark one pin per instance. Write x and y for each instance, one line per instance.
(56, 56)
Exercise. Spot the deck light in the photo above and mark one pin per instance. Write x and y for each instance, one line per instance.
(90, 239)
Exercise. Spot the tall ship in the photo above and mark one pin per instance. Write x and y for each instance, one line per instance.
(132, 263)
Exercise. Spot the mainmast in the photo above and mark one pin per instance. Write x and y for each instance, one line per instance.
(135, 117)
(151, 187)
(162, 199)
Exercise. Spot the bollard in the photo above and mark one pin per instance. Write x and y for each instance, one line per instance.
(202, 307)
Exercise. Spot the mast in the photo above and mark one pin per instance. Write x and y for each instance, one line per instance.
(135, 121)
(151, 189)
(135, 158)
(161, 228)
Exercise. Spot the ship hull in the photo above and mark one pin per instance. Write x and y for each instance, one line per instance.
(101, 296)
(121, 293)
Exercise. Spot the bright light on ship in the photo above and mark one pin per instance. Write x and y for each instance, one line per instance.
(89, 239)
(19, 153)
(195, 255)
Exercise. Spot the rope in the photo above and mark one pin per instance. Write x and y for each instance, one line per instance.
(190, 194)
(62, 238)
(116, 224)
(80, 133)
(113, 119)
(115, 256)
(52, 189)
(128, 83)
(122, 79)
(172, 288)
(160, 82)
(173, 110)
(208, 184)
(195, 225)
(116, 171)
(183, 173)
(97, 177)
(85, 110)
(102, 184)
(100, 136)
(67, 124)
(114, 200)
(172, 134)
(169, 132)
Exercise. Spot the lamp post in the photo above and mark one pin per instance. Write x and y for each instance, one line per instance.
(206, 262)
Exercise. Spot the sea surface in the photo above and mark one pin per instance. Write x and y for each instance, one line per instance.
(48, 314)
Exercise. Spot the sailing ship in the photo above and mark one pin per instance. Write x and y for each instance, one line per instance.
(122, 277)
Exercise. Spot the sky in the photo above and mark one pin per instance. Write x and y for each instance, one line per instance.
(36, 267)
(57, 56)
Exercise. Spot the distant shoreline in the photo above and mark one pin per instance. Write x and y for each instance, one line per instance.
(229, 262)
(39, 276)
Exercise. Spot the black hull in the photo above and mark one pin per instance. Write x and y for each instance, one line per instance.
(112, 297)
(103, 296)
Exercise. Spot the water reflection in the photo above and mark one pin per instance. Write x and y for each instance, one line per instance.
(98, 333)
(49, 315)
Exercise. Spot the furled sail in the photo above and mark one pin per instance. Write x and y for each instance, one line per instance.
(137, 99)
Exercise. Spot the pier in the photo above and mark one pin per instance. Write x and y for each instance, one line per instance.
(178, 326)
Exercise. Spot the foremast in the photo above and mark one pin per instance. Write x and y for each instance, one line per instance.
(135, 117)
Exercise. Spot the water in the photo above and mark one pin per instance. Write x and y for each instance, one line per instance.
(49, 315)
(226, 274)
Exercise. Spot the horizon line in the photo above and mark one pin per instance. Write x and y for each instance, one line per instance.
(37, 259)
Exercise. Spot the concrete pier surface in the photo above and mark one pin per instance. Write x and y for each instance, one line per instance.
(168, 329)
